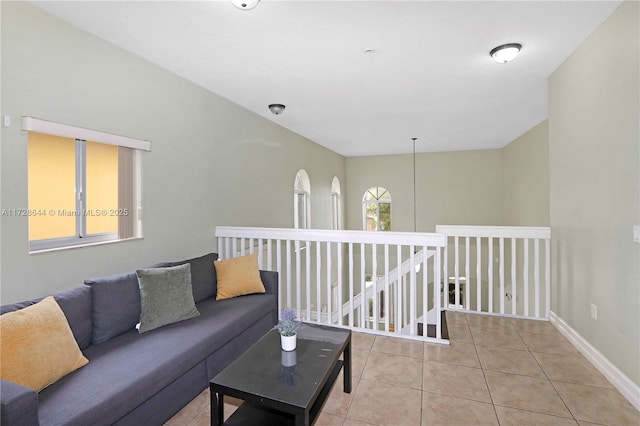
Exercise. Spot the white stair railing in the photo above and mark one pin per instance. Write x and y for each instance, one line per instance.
(323, 275)
(498, 270)
(393, 277)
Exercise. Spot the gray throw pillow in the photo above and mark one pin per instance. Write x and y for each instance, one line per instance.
(116, 305)
(203, 276)
(165, 296)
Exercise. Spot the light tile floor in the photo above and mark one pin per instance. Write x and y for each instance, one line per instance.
(496, 371)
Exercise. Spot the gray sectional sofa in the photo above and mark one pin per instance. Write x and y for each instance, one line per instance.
(141, 378)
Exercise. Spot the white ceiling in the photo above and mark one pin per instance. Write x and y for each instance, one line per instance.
(430, 75)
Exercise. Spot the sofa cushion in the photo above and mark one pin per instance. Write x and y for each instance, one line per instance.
(165, 296)
(203, 275)
(128, 369)
(238, 276)
(37, 346)
(116, 305)
(76, 305)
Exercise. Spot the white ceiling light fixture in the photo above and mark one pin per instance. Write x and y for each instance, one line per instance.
(277, 109)
(505, 53)
(245, 4)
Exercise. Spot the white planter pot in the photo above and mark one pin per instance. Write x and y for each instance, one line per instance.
(288, 343)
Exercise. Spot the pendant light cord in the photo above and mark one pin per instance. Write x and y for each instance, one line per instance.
(414, 183)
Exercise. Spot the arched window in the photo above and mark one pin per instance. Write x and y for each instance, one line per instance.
(335, 203)
(376, 209)
(301, 200)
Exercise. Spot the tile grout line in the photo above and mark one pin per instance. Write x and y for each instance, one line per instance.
(547, 377)
(359, 379)
(495, 412)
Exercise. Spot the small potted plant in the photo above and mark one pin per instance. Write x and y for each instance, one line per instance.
(287, 327)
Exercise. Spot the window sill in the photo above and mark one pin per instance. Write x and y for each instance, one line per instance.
(81, 246)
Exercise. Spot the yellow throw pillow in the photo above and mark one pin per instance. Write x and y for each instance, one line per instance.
(238, 276)
(37, 347)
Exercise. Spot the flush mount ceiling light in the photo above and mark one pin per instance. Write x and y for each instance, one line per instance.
(245, 4)
(505, 53)
(277, 109)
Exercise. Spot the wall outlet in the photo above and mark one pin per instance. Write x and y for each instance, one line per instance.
(594, 311)
(636, 234)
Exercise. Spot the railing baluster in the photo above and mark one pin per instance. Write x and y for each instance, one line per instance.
(289, 280)
(501, 275)
(436, 294)
(351, 285)
(456, 270)
(525, 277)
(243, 243)
(363, 301)
(398, 322)
(339, 301)
(260, 255)
(385, 307)
(280, 277)
(298, 280)
(412, 289)
(405, 310)
(308, 278)
(269, 255)
(329, 286)
(235, 248)
(251, 248)
(490, 275)
(547, 277)
(445, 279)
(536, 275)
(318, 281)
(514, 284)
(425, 291)
(478, 274)
(374, 277)
(467, 282)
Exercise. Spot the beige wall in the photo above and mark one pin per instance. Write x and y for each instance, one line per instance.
(212, 162)
(452, 188)
(525, 179)
(594, 152)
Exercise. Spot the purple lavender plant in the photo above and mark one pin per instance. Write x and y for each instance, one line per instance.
(288, 322)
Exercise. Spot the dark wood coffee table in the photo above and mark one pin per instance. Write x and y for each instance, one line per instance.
(278, 387)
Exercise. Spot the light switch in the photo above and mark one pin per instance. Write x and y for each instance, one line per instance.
(6, 121)
(636, 234)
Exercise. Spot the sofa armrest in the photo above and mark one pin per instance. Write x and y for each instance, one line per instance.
(19, 405)
(270, 281)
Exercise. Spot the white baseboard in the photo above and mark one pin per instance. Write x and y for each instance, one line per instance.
(625, 385)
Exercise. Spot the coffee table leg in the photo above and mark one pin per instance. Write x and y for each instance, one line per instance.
(217, 408)
(302, 419)
(346, 372)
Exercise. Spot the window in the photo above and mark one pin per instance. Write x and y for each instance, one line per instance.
(301, 195)
(335, 203)
(80, 191)
(376, 209)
